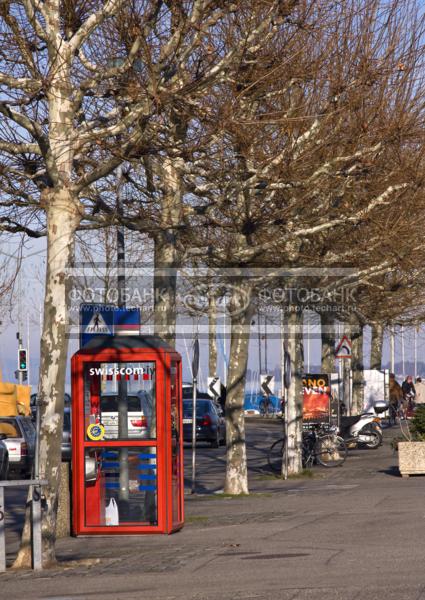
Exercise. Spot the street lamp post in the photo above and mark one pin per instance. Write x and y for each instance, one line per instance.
(392, 348)
(416, 350)
(122, 383)
(195, 369)
(402, 350)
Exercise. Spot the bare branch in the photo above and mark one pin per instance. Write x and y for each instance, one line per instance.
(109, 9)
(21, 83)
(14, 149)
(30, 6)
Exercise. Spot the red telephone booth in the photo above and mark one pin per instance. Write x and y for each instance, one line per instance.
(127, 447)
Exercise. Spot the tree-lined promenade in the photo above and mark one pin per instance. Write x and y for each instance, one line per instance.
(238, 135)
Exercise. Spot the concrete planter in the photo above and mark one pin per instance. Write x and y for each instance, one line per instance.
(411, 458)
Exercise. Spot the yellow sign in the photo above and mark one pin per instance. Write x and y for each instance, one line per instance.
(95, 432)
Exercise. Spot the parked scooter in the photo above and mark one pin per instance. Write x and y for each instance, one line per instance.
(362, 430)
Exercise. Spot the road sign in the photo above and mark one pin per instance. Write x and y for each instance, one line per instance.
(195, 359)
(267, 385)
(343, 349)
(23, 374)
(287, 370)
(126, 321)
(97, 324)
(95, 320)
(214, 387)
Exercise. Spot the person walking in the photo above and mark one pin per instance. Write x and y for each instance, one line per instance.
(396, 398)
(420, 391)
(396, 393)
(409, 393)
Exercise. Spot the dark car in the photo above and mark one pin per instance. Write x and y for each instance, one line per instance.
(210, 424)
(33, 403)
(187, 389)
(66, 434)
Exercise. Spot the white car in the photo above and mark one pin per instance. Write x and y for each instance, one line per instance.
(138, 415)
(19, 439)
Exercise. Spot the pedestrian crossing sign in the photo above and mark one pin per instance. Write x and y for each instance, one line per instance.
(95, 320)
(97, 324)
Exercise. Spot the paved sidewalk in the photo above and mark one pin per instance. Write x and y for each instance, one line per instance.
(351, 532)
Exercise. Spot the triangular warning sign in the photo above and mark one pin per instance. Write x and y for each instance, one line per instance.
(97, 324)
(344, 348)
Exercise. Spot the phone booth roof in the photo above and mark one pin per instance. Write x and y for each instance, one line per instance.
(126, 342)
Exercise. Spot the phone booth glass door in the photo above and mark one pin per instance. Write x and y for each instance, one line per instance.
(120, 444)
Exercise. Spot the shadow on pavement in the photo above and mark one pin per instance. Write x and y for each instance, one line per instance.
(392, 471)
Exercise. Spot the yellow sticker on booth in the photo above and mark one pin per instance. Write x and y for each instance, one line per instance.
(95, 432)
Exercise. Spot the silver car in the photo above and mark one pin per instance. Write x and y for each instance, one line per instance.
(19, 438)
(139, 409)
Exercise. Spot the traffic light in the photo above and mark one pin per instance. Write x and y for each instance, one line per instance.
(24, 375)
(22, 359)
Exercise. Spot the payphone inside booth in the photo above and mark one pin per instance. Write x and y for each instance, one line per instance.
(127, 447)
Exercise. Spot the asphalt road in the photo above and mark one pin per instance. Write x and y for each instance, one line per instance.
(261, 433)
(347, 533)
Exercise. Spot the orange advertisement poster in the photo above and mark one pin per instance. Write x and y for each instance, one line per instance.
(316, 395)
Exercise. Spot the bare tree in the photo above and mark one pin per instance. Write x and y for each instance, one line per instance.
(316, 149)
(51, 144)
(83, 87)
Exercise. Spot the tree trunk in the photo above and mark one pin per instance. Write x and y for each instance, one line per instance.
(327, 323)
(166, 254)
(376, 346)
(241, 311)
(357, 365)
(295, 397)
(62, 221)
(212, 337)
(165, 284)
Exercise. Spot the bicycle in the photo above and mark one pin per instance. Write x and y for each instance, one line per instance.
(320, 446)
(395, 414)
(266, 407)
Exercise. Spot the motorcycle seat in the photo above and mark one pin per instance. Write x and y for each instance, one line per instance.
(347, 422)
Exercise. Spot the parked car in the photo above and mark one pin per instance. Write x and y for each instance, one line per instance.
(4, 458)
(187, 392)
(19, 439)
(210, 424)
(33, 403)
(66, 434)
(138, 419)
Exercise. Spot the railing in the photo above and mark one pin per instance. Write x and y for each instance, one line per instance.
(36, 545)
